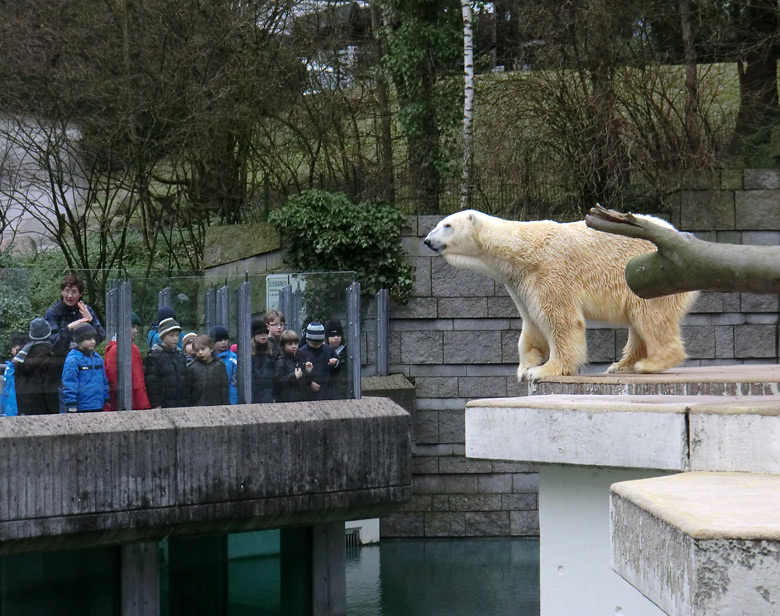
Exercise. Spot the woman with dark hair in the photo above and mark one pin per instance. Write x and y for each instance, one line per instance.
(65, 314)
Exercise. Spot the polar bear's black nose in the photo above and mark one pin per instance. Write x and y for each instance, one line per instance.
(427, 242)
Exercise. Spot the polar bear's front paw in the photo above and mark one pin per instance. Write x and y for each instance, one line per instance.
(528, 360)
(621, 367)
(551, 368)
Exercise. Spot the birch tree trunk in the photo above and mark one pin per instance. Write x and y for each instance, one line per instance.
(468, 100)
(692, 125)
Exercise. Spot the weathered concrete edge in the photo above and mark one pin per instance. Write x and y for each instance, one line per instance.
(711, 433)
(711, 505)
(684, 575)
(356, 460)
(664, 581)
(89, 530)
(627, 439)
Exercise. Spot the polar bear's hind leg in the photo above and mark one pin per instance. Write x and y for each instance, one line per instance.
(659, 328)
(634, 351)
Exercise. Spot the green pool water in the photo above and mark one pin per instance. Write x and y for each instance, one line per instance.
(430, 577)
(438, 577)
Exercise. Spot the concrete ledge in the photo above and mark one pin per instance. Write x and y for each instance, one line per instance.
(396, 387)
(735, 380)
(69, 481)
(739, 435)
(631, 432)
(707, 433)
(700, 543)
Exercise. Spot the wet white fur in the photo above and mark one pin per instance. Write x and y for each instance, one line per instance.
(558, 275)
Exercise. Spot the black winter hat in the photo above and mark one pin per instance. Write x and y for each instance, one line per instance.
(334, 328)
(259, 327)
(135, 319)
(218, 332)
(84, 331)
(165, 312)
(39, 329)
(315, 331)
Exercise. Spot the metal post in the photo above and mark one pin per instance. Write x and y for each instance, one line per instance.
(297, 312)
(382, 332)
(124, 361)
(118, 310)
(164, 298)
(285, 304)
(111, 313)
(223, 306)
(353, 338)
(210, 308)
(244, 339)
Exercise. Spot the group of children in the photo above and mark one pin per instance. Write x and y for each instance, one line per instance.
(179, 371)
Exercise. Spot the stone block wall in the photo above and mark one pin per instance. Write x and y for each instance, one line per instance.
(456, 340)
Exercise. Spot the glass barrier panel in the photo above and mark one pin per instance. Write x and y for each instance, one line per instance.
(199, 302)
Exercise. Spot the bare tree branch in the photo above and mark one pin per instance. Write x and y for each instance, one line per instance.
(686, 263)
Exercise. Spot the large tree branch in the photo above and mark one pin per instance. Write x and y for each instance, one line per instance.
(686, 263)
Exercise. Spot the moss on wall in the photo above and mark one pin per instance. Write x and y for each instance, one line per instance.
(230, 243)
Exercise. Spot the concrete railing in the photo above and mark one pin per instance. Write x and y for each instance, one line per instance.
(109, 478)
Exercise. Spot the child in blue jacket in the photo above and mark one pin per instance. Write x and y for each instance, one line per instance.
(84, 382)
(8, 397)
(219, 335)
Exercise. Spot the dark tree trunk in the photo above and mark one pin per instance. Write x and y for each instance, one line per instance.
(758, 102)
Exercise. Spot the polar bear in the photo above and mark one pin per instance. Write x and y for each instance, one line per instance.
(558, 275)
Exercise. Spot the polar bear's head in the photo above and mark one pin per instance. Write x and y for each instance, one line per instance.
(455, 234)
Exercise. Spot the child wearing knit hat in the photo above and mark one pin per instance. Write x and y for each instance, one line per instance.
(263, 363)
(165, 371)
(187, 345)
(219, 335)
(324, 359)
(38, 373)
(84, 382)
(153, 337)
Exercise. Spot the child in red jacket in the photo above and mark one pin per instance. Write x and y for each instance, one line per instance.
(140, 400)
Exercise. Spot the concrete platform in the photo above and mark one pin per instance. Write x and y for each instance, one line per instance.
(711, 433)
(734, 380)
(700, 543)
(621, 428)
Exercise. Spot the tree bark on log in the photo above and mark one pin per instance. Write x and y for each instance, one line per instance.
(685, 263)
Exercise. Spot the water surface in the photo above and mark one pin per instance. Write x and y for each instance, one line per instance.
(438, 577)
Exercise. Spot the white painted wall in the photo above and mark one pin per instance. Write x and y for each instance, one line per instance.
(369, 529)
(575, 559)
